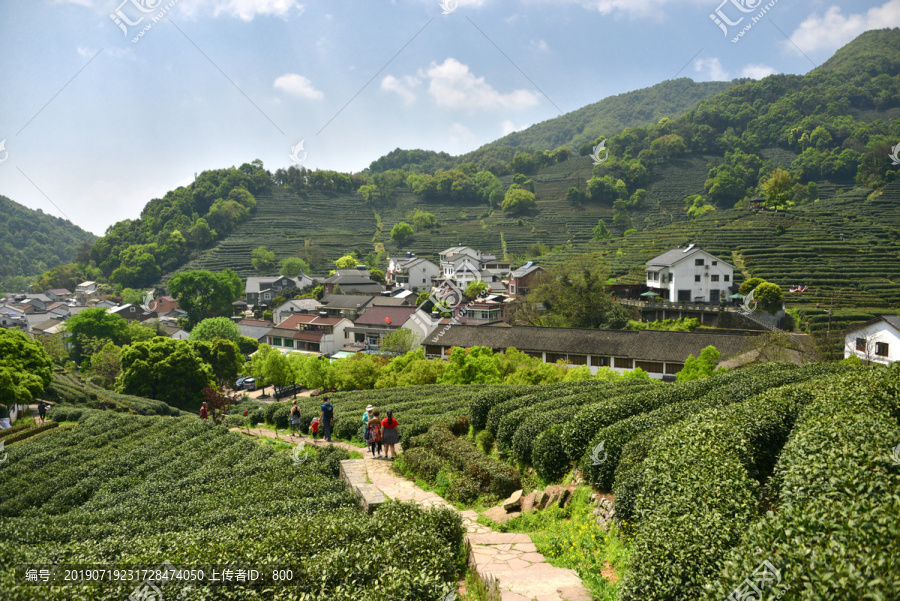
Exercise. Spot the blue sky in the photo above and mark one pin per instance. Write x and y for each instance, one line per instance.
(96, 124)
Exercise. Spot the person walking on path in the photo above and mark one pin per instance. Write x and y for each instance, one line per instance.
(314, 428)
(367, 414)
(373, 434)
(203, 410)
(389, 435)
(295, 419)
(42, 410)
(327, 418)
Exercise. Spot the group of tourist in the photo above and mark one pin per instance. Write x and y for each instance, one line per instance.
(380, 433)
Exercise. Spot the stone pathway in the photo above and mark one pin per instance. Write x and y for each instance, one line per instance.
(508, 562)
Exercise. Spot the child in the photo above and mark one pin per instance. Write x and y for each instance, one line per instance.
(314, 428)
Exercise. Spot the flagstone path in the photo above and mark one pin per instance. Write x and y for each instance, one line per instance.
(508, 561)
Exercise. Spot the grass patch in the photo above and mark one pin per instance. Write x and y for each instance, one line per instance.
(570, 538)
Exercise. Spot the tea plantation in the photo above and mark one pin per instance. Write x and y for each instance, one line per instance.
(129, 490)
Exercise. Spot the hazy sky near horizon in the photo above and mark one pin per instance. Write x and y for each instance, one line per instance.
(107, 104)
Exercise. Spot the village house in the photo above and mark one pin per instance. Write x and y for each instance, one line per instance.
(690, 275)
(85, 291)
(255, 328)
(316, 334)
(352, 281)
(58, 294)
(463, 265)
(297, 305)
(411, 272)
(876, 341)
(349, 306)
(659, 353)
(262, 290)
(370, 327)
(131, 312)
(522, 280)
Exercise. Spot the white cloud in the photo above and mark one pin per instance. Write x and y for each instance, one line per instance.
(712, 67)
(508, 127)
(460, 133)
(453, 86)
(833, 30)
(541, 45)
(299, 86)
(247, 10)
(403, 87)
(757, 71)
(632, 8)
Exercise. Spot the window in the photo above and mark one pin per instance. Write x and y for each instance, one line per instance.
(861, 344)
(131, 309)
(715, 262)
(650, 366)
(727, 277)
(276, 341)
(554, 357)
(881, 349)
(598, 361)
(698, 261)
(696, 278)
(714, 277)
(577, 359)
(673, 368)
(288, 343)
(622, 362)
(512, 289)
(537, 354)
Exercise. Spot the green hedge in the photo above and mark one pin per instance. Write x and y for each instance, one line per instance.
(29, 432)
(701, 486)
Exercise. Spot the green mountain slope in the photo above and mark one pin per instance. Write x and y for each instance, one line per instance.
(574, 129)
(32, 241)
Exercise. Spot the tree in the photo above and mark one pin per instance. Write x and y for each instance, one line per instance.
(769, 296)
(422, 220)
(293, 266)
(696, 206)
(378, 276)
(399, 342)
(165, 369)
(575, 295)
(214, 328)
(778, 190)
(346, 262)
(25, 368)
(476, 365)
(106, 365)
(517, 200)
(575, 195)
(401, 232)
(95, 323)
(600, 231)
(750, 284)
(224, 358)
(203, 294)
(697, 368)
(55, 346)
(218, 403)
(262, 259)
(475, 288)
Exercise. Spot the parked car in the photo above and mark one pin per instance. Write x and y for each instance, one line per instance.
(239, 384)
(249, 384)
(316, 392)
(291, 390)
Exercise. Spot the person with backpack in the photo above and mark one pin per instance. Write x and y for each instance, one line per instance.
(327, 418)
(373, 434)
(295, 419)
(389, 435)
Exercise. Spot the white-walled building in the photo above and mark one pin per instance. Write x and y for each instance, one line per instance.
(411, 272)
(690, 275)
(463, 265)
(876, 341)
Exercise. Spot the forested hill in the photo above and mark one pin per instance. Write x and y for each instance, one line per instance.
(32, 241)
(574, 129)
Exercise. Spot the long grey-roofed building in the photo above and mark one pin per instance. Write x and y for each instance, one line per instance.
(657, 352)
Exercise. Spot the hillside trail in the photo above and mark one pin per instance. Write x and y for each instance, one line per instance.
(509, 561)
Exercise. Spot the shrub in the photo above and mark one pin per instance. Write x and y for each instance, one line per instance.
(63, 413)
(485, 441)
(549, 455)
(29, 432)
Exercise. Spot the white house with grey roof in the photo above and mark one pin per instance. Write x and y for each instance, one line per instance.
(690, 274)
(876, 341)
(463, 265)
(411, 272)
(262, 290)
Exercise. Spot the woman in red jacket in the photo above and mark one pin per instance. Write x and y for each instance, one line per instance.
(389, 435)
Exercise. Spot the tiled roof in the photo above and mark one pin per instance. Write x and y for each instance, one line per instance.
(645, 345)
(523, 271)
(894, 320)
(388, 301)
(292, 321)
(59, 291)
(377, 315)
(345, 301)
(675, 255)
(302, 335)
(256, 322)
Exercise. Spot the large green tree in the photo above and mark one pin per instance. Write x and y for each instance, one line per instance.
(25, 367)
(262, 259)
(203, 294)
(95, 324)
(223, 356)
(165, 369)
(214, 328)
